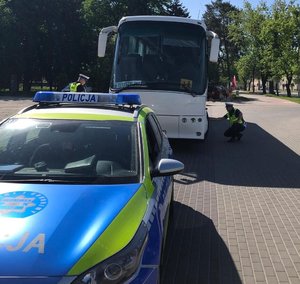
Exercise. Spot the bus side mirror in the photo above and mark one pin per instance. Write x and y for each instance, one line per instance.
(214, 50)
(214, 47)
(102, 39)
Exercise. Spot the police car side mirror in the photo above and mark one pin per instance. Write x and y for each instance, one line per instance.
(167, 167)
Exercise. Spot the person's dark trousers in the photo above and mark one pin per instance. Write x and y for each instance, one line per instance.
(234, 130)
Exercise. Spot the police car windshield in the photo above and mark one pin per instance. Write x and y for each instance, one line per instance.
(69, 151)
(153, 51)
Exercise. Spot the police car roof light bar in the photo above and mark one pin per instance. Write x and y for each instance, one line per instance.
(87, 98)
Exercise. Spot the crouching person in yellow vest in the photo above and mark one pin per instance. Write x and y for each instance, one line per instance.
(236, 123)
(79, 85)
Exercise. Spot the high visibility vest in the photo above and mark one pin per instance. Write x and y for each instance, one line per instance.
(73, 86)
(233, 119)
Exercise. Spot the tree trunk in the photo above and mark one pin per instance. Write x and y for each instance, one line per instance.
(277, 88)
(264, 82)
(249, 86)
(288, 86)
(253, 79)
(14, 85)
(271, 87)
(26, 86)
(245, 85)
(288, 90)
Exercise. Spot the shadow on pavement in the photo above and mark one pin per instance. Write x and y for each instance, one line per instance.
(258, 160)
(239, 99)
(194, 252)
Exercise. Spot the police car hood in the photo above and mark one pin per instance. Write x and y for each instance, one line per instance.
(45, 229)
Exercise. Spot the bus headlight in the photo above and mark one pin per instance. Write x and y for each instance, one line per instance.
(119, 267)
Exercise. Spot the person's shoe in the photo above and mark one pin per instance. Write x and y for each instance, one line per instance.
(239, 136)
(231, 139)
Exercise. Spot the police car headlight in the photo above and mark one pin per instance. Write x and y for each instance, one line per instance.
(121, 266)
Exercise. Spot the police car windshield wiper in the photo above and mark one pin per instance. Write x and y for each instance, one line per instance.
(32, 179)
(9, 170)
(48, 179)
(38, 180)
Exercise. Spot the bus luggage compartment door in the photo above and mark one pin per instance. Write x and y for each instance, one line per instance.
(185, 126)
(192, 127)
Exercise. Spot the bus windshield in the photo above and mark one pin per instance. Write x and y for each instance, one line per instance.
(160, 55)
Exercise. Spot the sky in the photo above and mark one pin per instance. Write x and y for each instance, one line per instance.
(196, 8)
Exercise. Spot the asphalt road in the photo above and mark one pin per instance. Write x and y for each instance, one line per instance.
(237, 205)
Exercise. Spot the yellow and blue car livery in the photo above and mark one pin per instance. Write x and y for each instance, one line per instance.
(83, 217)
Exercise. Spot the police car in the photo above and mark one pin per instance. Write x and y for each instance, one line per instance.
(86, 188)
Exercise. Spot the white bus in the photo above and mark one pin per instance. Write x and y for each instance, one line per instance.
(164, 59)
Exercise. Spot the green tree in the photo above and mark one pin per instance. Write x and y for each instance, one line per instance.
(283, 31)
(176, 8)
(7, 50)
(26, 29)
(245, 67)
(218, 17)
(268, 40)
(246, 32)
(44, 41)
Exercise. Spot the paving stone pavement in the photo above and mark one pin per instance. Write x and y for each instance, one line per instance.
(236, 215)
(237, 208)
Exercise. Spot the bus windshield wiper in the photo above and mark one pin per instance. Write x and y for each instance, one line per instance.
(172, 86)
(131, 86)
(164, 85)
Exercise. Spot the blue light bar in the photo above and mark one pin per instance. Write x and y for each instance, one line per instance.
(87, 98)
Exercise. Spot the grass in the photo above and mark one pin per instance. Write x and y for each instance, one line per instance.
(292, 99)
(20, 93)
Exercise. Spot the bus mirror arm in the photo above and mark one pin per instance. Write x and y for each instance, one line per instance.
(102, 40)
(215, 45)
